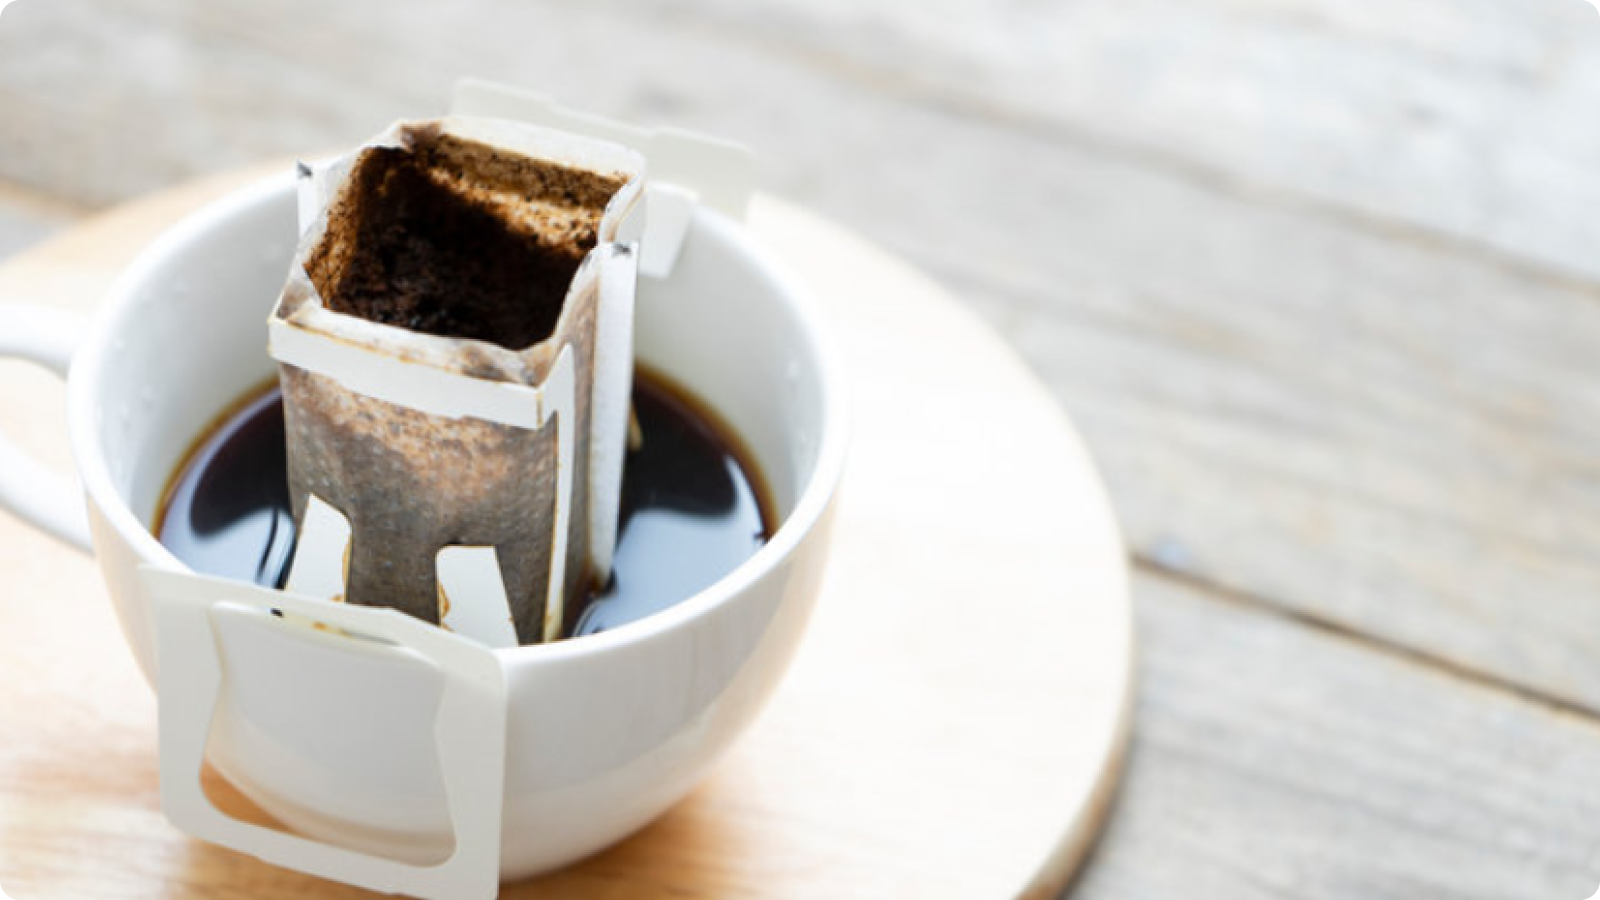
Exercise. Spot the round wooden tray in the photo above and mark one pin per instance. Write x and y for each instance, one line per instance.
(953, 726)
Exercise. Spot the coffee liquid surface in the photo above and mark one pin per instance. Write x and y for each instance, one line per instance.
(691, 510)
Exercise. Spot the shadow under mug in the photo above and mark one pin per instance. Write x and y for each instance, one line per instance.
(604, 732)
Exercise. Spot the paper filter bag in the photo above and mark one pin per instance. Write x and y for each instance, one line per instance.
(455, 352)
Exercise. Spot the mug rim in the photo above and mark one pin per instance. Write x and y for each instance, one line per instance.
(810, 507)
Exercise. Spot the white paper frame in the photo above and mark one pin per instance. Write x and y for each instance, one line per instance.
(469, 732)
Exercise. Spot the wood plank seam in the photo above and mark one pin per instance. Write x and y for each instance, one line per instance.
(1146, 565)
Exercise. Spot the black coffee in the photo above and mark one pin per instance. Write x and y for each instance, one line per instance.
(691, 508)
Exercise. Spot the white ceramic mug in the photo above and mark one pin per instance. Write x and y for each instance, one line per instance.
(604, 732)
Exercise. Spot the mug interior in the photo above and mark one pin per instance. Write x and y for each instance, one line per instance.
(184, 338)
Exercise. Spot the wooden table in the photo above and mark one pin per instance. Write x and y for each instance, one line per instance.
(1318, 280)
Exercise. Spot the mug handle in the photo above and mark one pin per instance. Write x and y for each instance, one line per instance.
(32, 491)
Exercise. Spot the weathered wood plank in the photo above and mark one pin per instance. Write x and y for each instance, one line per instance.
(103, 103)
(1400, 440)
(1459, 117)
(1274, 761)
(1464, 119)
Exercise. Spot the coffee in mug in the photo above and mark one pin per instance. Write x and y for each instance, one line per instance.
(694, 505)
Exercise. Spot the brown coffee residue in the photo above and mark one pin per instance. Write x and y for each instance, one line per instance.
(453, 238)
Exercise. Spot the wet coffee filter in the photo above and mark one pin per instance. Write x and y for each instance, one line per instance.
(455, 352)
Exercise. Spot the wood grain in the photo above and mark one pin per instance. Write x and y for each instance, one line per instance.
(922, 744)
(1434, 120)
(1275, 761)
(1451, 116)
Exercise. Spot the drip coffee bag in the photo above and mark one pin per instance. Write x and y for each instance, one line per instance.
(454, 345)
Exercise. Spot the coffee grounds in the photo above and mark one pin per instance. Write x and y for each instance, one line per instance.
(451, 238)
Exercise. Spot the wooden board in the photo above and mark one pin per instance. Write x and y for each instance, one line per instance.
(1277, 761)
(953, 727)
(1449, 121)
